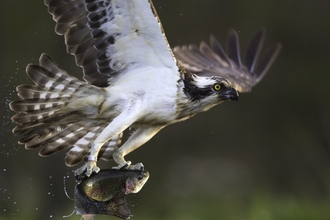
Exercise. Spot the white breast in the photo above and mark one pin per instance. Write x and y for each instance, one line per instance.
(156, 88)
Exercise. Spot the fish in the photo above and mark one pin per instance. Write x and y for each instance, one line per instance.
(105, 192)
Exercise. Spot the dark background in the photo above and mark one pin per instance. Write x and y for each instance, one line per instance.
(265, 157)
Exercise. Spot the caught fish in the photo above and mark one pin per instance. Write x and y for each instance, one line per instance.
(105, 192)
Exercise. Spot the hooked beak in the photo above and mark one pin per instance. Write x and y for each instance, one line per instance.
(231, 94)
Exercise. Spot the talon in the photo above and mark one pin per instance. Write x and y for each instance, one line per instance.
(87, 169)
(138, 166)
(127, 166)
(124, 165)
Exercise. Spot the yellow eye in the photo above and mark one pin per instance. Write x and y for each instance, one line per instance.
(216, 87)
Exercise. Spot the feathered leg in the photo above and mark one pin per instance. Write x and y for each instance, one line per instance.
(138, 138)
(124, 120)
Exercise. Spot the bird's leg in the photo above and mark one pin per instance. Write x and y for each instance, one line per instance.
(117, 126)
(138, 138)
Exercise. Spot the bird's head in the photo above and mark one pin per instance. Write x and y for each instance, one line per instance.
(209, 91)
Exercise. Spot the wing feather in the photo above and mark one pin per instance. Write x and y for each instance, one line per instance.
(253, 51)
(106, 36)
(233, 47)
(219, 52)
(267, 61)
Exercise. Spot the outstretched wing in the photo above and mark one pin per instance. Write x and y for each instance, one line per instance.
(107, 36)
(211, 60)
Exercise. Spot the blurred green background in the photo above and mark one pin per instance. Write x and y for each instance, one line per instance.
(265, 157)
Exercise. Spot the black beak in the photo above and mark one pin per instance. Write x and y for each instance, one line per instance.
(230, 94)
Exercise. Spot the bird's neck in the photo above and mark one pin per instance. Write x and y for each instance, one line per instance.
(186, 81)
(189, 98)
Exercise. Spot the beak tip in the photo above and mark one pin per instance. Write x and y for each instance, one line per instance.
(230, 94)
(235, 99)
(233, 95)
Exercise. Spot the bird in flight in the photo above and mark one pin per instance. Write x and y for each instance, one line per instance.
(132, 79)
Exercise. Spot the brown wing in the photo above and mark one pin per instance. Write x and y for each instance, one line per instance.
(212, 60)
(107, 36)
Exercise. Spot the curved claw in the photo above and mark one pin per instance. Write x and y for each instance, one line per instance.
(87, 169)
(138, 166)
(124, 165)
(127, 166)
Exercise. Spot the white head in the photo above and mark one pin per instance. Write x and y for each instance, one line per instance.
(209, 90)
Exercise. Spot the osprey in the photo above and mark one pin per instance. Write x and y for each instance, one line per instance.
(132, 80)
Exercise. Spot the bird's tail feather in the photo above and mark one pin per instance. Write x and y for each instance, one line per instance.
(54, 89)
(44, 120)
